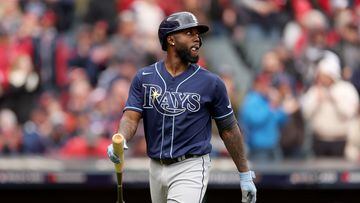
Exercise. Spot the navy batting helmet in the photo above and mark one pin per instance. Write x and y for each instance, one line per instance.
(176, 22)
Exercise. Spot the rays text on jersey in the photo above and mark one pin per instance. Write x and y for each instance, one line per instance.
(170, 103)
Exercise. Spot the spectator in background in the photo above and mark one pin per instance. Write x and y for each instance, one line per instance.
(91, 51)
(116, 70)
(99, 33)
(50, 54)
(272, 64)
(234, 94)
(36, 130)
(198, 8)
(285, 56)
(128, 70)
(292, 131)
(101, 119)
(20, 76)
(265, 18)
(10, 133)
(65, 11)
(352, 148)
(294, 28)
(348, 47)
(48, 127)
(148, 15)
(262, 129)
(23, 83)
(223, 17)
(126, 42)
(112, 72)
(311, 45)
(101, 11)
(116, 99)
(329, 106)
(263, 28)
(4, 61)
(100, 51)
(16, 45)
(314, 28)
(79, 90)
(11, 16)
(81, 53)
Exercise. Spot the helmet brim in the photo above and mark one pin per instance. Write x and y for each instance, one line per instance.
(201, 28)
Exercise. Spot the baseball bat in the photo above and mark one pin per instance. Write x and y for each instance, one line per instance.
(118, 145)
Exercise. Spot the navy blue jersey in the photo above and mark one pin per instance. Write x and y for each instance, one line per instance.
(177, 111)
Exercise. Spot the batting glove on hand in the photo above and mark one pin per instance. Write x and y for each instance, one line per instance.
(112, 156)
(248, 188)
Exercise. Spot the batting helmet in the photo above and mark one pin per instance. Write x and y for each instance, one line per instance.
(176, 22)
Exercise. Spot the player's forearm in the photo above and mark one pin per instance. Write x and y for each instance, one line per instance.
(128, 125)
(233, 141)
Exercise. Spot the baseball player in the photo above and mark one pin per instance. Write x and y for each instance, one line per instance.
(176, 98)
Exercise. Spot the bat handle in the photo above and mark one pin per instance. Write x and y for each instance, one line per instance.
(119, 188)
(120, 194)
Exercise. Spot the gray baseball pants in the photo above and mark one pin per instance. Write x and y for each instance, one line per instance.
(181, 182)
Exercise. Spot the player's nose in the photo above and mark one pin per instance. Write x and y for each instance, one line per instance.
(196, 38)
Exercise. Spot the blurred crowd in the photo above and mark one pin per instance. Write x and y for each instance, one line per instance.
(66, 68)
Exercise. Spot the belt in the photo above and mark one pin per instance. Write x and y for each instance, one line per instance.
(169, 161)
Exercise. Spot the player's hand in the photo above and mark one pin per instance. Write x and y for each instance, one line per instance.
(248, 188)
(112, 156)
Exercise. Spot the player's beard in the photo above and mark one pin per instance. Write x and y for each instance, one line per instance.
(185, 55)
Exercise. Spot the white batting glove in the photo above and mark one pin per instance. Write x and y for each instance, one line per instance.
(112, 156)
(248, 188)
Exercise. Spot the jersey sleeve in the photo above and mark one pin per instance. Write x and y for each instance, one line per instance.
(135, 99)
(221, 106)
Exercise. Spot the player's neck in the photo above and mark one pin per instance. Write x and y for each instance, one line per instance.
(175, 66)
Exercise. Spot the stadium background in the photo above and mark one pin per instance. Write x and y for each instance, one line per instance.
(66, 66)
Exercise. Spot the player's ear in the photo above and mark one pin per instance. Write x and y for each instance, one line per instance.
(170, 40)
